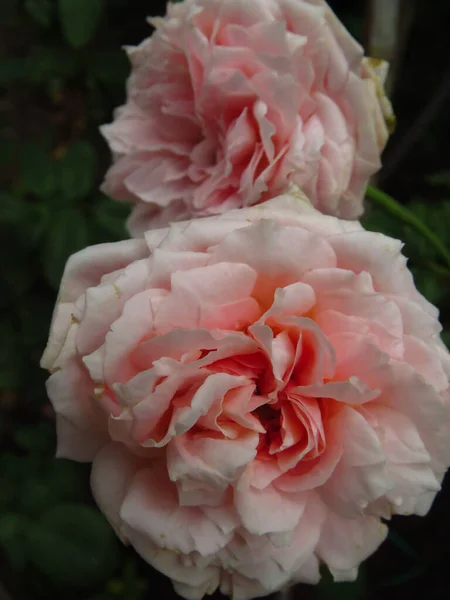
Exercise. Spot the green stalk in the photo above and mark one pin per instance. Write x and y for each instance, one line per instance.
(438, 269)
(402, 213)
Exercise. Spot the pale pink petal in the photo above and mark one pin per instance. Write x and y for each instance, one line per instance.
(293, 300)
(345, 543)
(112, 472)
(217, 462)
(258, 390)
(311, 474)
(381, 257)
(151, 508)
(361, 476)
(77, 444)
(270, 251)
(71, 393)
(85, 268)
(147, 215)
(353, 391)
(104, 304)
(426, 361)
(61, 323)
(213, 296)
(166, 263)
(135, 324)
(190, 574)
(268, 510)
(197, 403)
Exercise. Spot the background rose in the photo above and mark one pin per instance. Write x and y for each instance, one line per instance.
(255, 390)
(228, 100)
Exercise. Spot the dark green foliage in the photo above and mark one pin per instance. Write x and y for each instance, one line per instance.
(431, 271)
(42, 11)
(72, 545)
(79, 19)
(63, 73)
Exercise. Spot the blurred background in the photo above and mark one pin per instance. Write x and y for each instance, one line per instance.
(62, 71)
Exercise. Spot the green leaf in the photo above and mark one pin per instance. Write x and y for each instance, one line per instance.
(34, 311)
(11, 376)
(35, 438)
(12, 468)
(7, 151)
(67, 481)
(13, 531)
(428, 285)
(17, 276)
(408, 217)
(73, 545)
(49, 482)
(23, 226)
(111, 67)
(9, 14)
(111, 216)
(11, 69)
(440, 179)
(134, 586)
(13, 210)
(96, 101)
(375, 219)
(67, 234)
(17, 273)
(7, 495)
(433, 215)
(35, 497)
(34, 396)
(45, 63)
(116, 587)
(37, 170)
(79, 19)
(77, 170)
(41, 11)
(10, 478)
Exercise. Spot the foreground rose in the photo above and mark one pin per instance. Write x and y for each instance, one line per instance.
(228, 100)
(256, 391)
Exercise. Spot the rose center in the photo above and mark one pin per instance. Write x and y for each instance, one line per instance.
(270, 418)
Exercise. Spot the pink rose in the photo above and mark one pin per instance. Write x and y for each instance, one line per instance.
(229, 100)
(256, 390)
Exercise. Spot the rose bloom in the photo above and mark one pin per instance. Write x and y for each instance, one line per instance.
(228, 100)
(257, 392)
